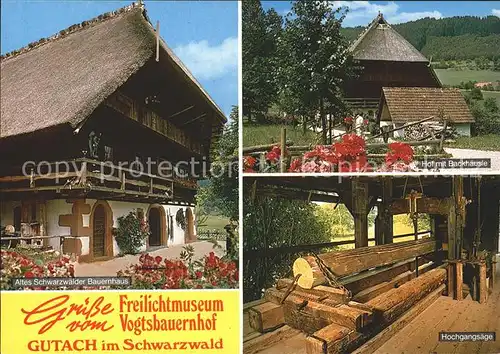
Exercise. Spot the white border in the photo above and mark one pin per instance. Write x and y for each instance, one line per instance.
(240, 171)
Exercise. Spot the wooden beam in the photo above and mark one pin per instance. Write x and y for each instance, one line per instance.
(330, 339)
(360, 212)
(376, 290)
(376, 342)
(425, 205)
(266, 316)
(394, 302)
(352, 261)
(386, 217)
(483, 286)
(310, 316)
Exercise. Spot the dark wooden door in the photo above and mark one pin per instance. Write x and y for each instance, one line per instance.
(99, 231)
(154, 227)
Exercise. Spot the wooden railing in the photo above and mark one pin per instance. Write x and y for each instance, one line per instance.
(87, 174)
(133, 110)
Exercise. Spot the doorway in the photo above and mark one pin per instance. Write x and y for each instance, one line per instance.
(99, 231)
(154, 227)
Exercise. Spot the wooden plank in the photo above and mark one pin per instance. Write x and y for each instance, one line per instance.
(269, 339)
(394, 302)
(330, 339)
(376, 342)
(266, 316)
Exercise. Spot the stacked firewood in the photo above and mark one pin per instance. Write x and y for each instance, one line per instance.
(429, 130)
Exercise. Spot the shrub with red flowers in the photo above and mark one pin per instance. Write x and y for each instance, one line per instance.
(158, 273)
(398, 158)
(347, 155)
(16, 265)
(249, 163)
(272, 158)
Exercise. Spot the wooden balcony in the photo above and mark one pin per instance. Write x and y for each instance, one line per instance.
(356, 103)
(91, 177)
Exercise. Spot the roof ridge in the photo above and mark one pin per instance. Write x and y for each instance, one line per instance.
(73, 29)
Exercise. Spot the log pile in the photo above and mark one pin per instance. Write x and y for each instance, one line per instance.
(378, 285)
(429, 130)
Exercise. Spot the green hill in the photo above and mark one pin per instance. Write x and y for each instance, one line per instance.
(452, 38)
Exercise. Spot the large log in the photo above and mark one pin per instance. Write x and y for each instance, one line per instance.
(394, 302)
(354, 261)
(325, 292)
(374, 291)
(266, 316)
(369, 278)
(376, 342)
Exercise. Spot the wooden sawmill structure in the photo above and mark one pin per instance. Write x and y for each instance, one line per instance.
(354, 300)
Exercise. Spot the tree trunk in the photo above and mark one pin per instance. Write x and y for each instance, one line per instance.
(304, 125)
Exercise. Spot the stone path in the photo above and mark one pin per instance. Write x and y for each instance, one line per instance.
(112, 266)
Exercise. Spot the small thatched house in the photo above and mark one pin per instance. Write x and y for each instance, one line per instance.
(402, 105)
(386, 59)
(97, 121)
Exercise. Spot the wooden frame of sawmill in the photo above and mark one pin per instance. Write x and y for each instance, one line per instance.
(352, 301)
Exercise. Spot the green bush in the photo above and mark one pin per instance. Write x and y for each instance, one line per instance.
(131, 233)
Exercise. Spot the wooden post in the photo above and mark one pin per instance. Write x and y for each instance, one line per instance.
(455, 279)
(458, 192)
(360, 212)
(450, 288)
(283, 150)
(387, 218)
(483, 287)
(379, 233)
(262, 161)
(459, 279)
(441, 141)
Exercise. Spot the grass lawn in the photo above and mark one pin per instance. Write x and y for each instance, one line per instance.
(269, 134)
(494, 94)
(216, 222)
(455, 77)
(486, 142)
(400, 228)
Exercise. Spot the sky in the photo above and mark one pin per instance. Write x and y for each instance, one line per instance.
(361, 13)
(203, 34)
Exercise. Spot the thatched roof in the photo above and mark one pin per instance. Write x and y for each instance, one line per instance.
(379, 41)
(63, 79)
(410, 104)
